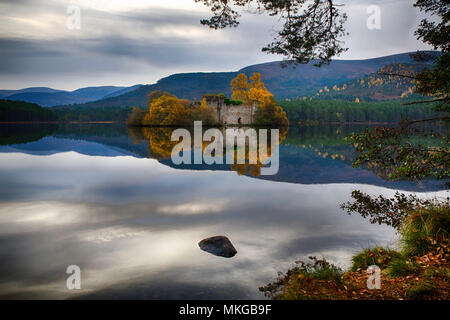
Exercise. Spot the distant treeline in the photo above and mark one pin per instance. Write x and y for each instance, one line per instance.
(116, 114)
(296, 110)
(345, 111)
(24, 111)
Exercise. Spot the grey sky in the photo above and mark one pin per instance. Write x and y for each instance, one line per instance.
(139, 41)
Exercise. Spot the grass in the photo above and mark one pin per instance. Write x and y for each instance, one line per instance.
(373, 256)
(314, 275)
(401, 267)
(421, 290)
(421, 270)
(425, 228)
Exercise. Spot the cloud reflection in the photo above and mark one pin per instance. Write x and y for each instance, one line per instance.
(133, 225)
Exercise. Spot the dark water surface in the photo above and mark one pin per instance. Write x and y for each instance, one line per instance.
(111, 201)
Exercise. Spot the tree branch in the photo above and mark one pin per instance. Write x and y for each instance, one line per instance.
(427, 101)
(429, 119)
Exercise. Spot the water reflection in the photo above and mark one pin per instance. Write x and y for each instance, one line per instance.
(161, 146)
(308, 155)
(133, 222)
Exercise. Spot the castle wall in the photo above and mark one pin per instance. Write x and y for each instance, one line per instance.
(231, 114)
(236, 115)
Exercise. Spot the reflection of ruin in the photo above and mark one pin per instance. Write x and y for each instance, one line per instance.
(230, 114)
(308, 155)
(249, 159)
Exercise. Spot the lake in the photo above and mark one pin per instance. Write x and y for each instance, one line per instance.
(110, 200)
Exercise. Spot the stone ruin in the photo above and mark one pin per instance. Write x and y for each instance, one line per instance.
(229, 114)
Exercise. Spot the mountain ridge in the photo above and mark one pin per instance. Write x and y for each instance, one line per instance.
(49, 97)
(284, 82)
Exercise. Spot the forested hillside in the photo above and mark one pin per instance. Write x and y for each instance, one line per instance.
(24, 111)
(379, 86)
(345, 111)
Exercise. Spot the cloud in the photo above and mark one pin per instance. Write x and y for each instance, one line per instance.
(146, 40)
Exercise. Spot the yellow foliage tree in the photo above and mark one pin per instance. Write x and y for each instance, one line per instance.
(166, 111)
(239, 87)
(255, 81)
(245, 91)
(260, 95)
(268, 113)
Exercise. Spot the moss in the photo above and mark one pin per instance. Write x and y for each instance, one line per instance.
(226, 100)
(232, 102)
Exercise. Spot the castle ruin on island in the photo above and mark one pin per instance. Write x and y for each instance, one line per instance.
(229, 113)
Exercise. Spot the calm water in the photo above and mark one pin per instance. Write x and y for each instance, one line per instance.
(110, 201)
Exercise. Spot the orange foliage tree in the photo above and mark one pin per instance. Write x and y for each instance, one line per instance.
(268, 113)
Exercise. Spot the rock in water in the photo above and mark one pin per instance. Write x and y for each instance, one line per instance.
(219, 246)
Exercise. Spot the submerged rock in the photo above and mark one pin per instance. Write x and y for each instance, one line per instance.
(219, 246)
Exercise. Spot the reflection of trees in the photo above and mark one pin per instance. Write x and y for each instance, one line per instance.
(160, 146)
(14, 133)
(135, 133)
(401, 152)
(255, 169)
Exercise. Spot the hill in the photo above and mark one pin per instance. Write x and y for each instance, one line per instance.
(284, 82)
(49, 97)
(6, 93)
(378, 86)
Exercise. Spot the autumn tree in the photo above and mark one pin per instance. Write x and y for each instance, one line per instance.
(256, 82)
(239, 87)
(260, 95)
(268, 112)
(244, 91)
(167, 111)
